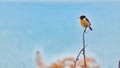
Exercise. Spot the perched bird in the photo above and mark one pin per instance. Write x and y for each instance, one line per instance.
(85, 22)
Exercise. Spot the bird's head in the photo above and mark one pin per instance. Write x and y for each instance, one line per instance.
(82, 17)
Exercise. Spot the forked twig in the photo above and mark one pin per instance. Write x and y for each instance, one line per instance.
(82, 50)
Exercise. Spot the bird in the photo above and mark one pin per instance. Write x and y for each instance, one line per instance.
(85, 22)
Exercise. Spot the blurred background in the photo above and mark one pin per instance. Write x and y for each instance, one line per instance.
(53, 28)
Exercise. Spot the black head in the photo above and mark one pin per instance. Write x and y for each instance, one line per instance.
(82, 17)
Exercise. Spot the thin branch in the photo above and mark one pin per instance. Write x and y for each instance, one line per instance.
(77, 58)
(84, 48)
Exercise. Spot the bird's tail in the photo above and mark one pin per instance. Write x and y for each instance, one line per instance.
(90, 28)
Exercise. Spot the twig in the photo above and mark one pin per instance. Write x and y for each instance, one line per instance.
(77, 58)
(83, 49)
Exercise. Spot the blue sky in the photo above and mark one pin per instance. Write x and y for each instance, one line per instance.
(54, 29)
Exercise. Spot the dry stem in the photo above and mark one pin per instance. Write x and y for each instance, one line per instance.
(82, 50)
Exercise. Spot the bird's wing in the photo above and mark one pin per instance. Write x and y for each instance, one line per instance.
(88, 21)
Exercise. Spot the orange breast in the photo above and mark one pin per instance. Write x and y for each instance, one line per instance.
(84, 23)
